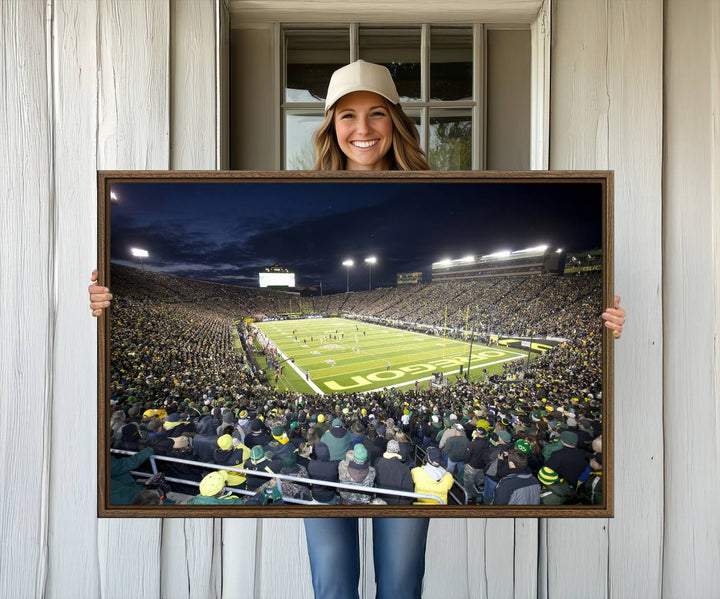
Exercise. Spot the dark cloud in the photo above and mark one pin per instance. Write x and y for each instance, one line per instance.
(222, 235)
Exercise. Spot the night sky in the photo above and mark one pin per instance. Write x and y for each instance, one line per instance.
(228, 232)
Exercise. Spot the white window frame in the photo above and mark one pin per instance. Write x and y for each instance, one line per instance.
(537, 18)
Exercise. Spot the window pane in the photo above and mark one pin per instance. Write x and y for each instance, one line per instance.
(311, 57)
(399, 51)
(414, 115)
(451, 56)
(299, 149)
(450, 145)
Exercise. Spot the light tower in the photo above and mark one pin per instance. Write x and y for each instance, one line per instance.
(370, 261)
(138, 253)
(347, 264)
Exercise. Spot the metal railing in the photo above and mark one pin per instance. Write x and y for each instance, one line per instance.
(307, 481)
(421, 452)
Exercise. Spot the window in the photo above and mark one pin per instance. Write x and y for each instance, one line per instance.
(467, 87)
(436, 69)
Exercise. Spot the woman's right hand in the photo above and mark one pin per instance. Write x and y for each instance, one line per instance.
(99, 296)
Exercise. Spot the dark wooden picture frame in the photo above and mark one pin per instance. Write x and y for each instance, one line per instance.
(550, 193)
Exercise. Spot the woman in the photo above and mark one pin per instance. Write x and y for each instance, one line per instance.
(365, 129)
(364, 126)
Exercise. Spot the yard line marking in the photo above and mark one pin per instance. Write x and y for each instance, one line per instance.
(302, 374)
(427, 378)
(416, 343)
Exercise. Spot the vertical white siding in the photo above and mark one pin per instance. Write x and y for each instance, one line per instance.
(282, 565)
(134, 85)
(240, 558)
(26, 320)
(193, 85)
(635, 137)
(578, 140)
(191, 558)
(692, 305)
(133, 121)
(526, 544)
(73, 511)
(607, 113)
(190, 566)
(447, 551)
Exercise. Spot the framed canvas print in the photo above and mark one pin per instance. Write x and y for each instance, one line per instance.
(291, 344)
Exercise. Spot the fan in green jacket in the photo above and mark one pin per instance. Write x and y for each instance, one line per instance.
(123, 488)
(554, 490)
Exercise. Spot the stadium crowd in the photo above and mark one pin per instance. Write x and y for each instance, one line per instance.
(179, 388)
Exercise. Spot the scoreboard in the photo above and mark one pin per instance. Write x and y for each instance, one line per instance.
(277, 279)
(409, 278)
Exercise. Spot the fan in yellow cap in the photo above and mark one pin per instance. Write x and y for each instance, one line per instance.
(212, 491)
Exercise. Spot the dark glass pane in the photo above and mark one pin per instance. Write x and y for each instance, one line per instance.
(311, 58)
(399, 51)
(451, 63)
(450, 147)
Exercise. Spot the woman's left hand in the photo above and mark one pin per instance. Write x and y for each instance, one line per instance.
(615, 318)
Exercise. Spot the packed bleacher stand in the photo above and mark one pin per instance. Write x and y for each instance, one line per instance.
(180, 387)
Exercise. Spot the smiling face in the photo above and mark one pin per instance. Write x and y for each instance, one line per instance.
(364, 130)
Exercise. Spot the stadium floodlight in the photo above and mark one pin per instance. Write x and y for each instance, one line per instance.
(500, 254)
(138, 253)
(537, 248)
(558, 251)
(467, 259)
(370, 261)
(347, 264)
(445, 262)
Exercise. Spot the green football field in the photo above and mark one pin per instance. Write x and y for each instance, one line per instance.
(338, 355)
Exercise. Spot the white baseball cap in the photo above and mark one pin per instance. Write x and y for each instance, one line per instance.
(361, 76)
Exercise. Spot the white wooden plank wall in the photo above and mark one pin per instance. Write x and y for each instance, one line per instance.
(191, 556)
(193, 85)
(578, 140)
(133, 130)
(607, 113)
(26, 279)
(282, 565)
(635, 124)
(692, 303)
(133, 85)
(73, 522)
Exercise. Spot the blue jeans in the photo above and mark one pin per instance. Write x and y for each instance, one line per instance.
(398, 552)
(451, 466)
(489, 491)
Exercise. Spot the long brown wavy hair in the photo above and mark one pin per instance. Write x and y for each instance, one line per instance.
(405, 153)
